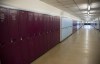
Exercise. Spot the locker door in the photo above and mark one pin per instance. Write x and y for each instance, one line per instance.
(53, 30)
(13, 25)
(44, 35)
(4, 28)
(50, 32)
(48, 23)
(23, 23)
(40, 23)
(45, 23)
(50, 44)
(30, 24)
(23, 17)
(41, 44)
(32, 50)
(24, 50)
(52, 36)
(45, 44)
(12, 51)
(30, 31)
(37, 46)
(36, 24)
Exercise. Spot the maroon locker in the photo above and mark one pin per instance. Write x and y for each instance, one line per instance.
(37, 46)
(13, 24)
(4, 28)
(50, 20)
(45, 43)
(40, 25)
(30, 24)
(53, 23)
(36, 23)
(12, 51)
(44, 31)
(56, 22)
(45, 23)
(23, 19)
(24, 50)
(53, 31)
(53, 19)
(52, 36)
(30, 32)
(47, 40)
(47, 30)
(50, 44)
(41, 45)
(55, 39)
(48, 23)
(32, 48)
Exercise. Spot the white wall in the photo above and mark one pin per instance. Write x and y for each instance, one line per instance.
(66, 22)
(66, 27)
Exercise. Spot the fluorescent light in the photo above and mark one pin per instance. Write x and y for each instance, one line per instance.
(84, 11)
(95, 5)
(83, 6)
(89, 7)
(93, 11)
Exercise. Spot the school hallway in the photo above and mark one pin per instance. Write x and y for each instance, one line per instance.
(49, 31)
(83, 47)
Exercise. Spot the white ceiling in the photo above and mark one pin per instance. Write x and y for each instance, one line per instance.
(78, 8)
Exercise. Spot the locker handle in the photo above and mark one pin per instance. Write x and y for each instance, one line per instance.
(21, 38)
(13, 40)
(47, 32)
(39, 34)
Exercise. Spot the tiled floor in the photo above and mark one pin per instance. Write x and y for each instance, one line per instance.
(80, 48)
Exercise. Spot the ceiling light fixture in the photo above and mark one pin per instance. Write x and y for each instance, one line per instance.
(89, 8)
